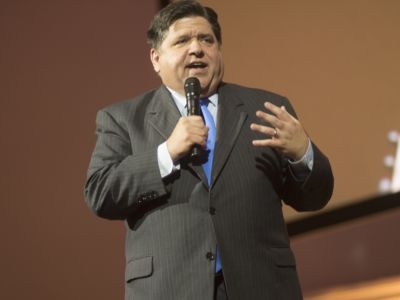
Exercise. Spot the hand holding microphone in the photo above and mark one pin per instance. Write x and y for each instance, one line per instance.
(190, 132)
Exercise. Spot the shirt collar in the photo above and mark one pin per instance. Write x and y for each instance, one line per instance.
(180, 100)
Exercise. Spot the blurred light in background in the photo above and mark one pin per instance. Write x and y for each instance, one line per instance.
(387, 185)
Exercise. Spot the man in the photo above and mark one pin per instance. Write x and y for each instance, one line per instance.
(184, 221)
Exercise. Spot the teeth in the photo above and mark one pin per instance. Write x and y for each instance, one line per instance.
(197, 65)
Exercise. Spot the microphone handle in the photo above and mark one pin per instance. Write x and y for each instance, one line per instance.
(196, 151)
(192, 92)
(194, 110)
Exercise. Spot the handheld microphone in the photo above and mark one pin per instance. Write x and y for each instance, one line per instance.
(192, 92)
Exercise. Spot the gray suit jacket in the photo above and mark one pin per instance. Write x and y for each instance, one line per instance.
(175, 223)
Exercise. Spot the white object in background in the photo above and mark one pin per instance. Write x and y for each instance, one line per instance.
(395, 186)
(393, 136)
(388, 161)
(387, 185)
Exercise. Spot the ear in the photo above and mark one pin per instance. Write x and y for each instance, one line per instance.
(155, 58)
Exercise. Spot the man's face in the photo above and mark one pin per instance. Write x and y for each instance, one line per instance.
(190, 49)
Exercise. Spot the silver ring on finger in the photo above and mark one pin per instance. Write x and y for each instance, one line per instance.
(275, 133)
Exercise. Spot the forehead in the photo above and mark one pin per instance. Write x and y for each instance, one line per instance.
(189, 25)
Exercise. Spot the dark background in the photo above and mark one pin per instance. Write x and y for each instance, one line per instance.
(60, 62)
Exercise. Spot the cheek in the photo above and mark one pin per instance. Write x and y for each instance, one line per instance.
(167, 68)
(216, 57)
(176, 62)
(218, 64)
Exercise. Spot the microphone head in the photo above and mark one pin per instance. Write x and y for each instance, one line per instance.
(192, 88)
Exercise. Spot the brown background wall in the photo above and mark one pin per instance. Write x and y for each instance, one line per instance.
(62, 60)
(338, 62)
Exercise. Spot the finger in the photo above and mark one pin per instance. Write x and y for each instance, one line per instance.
(193, 136)
(280, 112)
(199, 140)
(264, 129)
(271, 119)
(267, 143)
(195, 121)
(194, 118)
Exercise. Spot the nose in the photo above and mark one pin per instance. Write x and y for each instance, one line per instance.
(195, 48)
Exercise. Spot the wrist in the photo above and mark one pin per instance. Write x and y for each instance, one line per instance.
(172, 152)
(299, 154)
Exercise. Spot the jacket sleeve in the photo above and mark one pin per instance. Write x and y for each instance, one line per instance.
(314, 192)
(119, 181)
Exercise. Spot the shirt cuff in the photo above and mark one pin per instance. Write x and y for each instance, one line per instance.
(302, 167)
(165, 163)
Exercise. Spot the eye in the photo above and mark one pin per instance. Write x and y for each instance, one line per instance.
(181, 40)
(207, 39)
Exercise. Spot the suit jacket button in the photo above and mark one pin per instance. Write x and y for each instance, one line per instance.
(212, 210)
(210, 256)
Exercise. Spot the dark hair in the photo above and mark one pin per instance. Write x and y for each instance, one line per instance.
(178, 10)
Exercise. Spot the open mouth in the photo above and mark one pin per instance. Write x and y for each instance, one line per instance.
(196, 65)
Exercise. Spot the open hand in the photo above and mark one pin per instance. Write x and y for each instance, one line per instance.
(285, 132)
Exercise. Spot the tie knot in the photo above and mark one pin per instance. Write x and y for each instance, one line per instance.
(204, 102)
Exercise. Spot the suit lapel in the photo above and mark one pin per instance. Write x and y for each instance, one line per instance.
(163, 114)
(230, 121)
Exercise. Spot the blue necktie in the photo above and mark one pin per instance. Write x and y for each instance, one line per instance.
(207, 165)
(209, 120)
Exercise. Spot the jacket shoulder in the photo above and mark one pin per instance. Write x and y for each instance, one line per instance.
(252, 95)
(132, 104)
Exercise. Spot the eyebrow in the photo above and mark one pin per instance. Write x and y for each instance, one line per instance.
(203, 35)
(200, 35)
